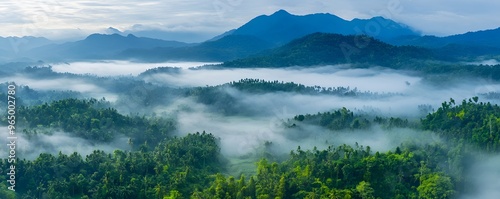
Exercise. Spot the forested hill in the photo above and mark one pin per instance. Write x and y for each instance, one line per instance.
(89, 119)
(192, 166)
(324, 48)
(470, 121)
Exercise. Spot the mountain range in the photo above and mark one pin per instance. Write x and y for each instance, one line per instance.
(150, 32)
(282, 27)
(99, 46)
(11, 48)
(263, 34)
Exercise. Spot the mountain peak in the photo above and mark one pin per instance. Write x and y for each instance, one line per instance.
(98, 36)
(281, 12)
(112, 30)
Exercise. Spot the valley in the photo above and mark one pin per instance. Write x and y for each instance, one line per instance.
(316, 107)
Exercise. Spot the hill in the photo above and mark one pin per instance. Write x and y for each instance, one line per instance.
(224, 49)
(325, 48)
(471, 44)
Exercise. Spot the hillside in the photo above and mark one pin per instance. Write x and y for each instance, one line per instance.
(226, 48)
(470, 44)
(324, 48)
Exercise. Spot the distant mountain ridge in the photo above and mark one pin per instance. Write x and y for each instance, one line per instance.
(22, 43)
(12, 48)
(226, 48)
(258, 36)
(100, 46)
(467, 45)
(143, 31)
(282, 27)
(487, 38)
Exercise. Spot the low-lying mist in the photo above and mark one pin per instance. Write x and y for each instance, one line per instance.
(373, 80)
(485, 176)
(86, 87)
(244, 136)
(115, 68)
(241, 135)
(30, 147)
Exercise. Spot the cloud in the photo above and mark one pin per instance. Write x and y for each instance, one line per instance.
(31, 147)
(484, 175)
(117, 68)
(246, 135)
(328, 76)
(63, 84)
(212, 17)
(410, 90)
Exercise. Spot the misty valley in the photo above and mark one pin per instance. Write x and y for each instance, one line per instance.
(258, 112)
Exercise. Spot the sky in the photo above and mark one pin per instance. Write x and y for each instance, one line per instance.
(203, 19)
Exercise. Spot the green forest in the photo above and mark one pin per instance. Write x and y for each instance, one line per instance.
(285, 106)
(162, 165)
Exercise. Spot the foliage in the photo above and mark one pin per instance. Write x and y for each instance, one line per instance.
(176, 167)
(189, 167)
(324, 49)
(337, 172)
(474, 122)
(345, 119)
(90, 119)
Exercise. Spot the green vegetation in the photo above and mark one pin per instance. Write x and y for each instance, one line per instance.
(324, 49)
(346, 119)
(361, 51)
(193, 167)
(178, 164)
(91, 119)
(262, 86)
(471, 121)
(221, 99)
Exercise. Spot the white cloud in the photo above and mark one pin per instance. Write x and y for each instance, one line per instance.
(117, 68)
(31, 147)
(88, 89)
(53, 18)
(328, 76)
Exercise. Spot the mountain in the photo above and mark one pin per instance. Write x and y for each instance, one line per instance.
(224, 49)
(155, 33)
(12, 49)
(282, 27)
(99, 46)
(327, 48)
(471, 44)
(487, 38)
(19, 44)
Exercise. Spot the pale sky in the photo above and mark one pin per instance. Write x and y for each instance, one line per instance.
(56, 19)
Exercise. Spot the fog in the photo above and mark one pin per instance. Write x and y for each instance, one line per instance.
(244, 135)
(115, 68)
(87, 88)
(327, 76)
(485, 175)
(31, 147)
(489, 62)
(411, 89)
(241, 136)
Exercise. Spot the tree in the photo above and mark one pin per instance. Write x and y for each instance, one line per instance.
(435, 186)
(365, 191)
